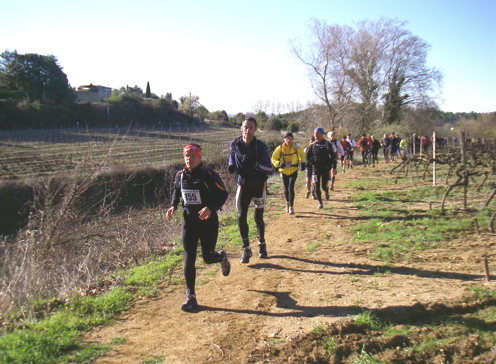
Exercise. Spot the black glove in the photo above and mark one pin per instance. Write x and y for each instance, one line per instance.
(282, 165)
(303, 166)
(231, 168)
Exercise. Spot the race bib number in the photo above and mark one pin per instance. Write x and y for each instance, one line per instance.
(191, 197)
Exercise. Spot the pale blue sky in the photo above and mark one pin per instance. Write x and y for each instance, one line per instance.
(233, 53)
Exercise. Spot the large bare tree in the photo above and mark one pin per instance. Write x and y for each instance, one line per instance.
(372, 70)
(392, 68)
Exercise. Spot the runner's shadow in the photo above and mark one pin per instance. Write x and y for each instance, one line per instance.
(311, 215)
(280, 267)
(285, 301)
(367, 269)
(416, 311)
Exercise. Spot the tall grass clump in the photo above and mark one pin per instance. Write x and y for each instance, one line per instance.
(73, 239)
(56, 337)
(85, 223)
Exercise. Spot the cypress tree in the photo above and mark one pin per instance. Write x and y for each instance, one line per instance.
(148, 93)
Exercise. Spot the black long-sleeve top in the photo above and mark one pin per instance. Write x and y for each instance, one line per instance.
(198, 188)
(251, 162)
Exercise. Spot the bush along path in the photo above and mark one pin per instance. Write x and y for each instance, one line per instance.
(319, 298)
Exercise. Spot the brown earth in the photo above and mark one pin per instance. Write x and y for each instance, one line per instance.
(314, 276)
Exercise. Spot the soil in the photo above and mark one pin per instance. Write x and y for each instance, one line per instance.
(267, 310)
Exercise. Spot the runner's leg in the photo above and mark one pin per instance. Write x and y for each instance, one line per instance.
(243, 199)
(259, 202)
(291, 192)
(190, 237)
(208, 239)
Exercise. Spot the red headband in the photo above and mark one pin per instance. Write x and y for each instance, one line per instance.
(193, 148)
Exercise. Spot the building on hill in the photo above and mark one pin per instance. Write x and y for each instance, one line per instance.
(92, 93)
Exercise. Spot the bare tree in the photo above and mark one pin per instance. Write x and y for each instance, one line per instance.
(261, 106)
(408, 80)
(293, 106)
(390, 69)
(277, 108)
(376, 65)
(328, 59)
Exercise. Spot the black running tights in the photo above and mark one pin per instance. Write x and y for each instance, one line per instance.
(205, 231)
(289, 187)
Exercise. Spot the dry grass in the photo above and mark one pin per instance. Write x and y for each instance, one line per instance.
(75, 243)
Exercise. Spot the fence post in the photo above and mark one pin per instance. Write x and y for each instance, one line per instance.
(486, 270)
(434, 159)
(476, 223)
(463, 146)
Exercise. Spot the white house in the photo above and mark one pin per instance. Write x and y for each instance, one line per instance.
(92, 93)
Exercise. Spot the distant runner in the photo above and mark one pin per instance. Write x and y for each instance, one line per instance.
(322, 157)
(308, 174)
(339, 152)
(286, 158)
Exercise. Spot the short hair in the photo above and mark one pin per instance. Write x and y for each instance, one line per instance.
(251, 118)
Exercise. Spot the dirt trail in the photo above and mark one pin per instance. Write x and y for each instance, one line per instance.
(313, 276)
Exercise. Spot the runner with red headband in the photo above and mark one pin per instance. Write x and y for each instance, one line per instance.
(194, 148)
(202, 194)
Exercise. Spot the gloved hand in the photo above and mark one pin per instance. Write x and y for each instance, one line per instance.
(303, 166)
(231, 168)
(282, 165)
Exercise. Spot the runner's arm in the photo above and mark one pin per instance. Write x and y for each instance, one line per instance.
(265, 164)
(216, 185)
(176, 190)
(276, 157)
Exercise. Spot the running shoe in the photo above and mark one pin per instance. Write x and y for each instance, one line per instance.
(245, 257)
(190, 303)
(291, 210)
(262, 250)
(321, 206)
(225, 266)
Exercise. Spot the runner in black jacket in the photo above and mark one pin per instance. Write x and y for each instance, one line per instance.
(249, 158)
(322, 157)
(202, 194)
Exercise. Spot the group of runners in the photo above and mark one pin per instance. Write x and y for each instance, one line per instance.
(202, 192)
